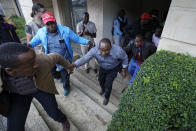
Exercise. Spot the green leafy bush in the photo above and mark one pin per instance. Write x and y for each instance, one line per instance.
(162, 97)
(20, 26)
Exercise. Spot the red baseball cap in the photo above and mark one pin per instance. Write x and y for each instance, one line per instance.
(146, 16)
(47, 17)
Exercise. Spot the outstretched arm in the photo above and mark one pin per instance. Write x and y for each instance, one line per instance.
(55, 58)
(86, 58)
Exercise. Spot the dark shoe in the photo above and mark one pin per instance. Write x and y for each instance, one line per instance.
(95, 70)
(66, 126)
(87, 71)
(105, 102)
(101, 92)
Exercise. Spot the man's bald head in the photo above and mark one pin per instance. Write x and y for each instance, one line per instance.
(105, 46)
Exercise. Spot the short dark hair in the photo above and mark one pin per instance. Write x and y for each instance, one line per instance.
(121, 11)
(36, 8)
(105, 40)
(86, 13)
(140, 36)
(9, 53)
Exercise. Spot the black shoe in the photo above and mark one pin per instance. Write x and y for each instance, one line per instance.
(101, 92)
(87, 70)
(95, 70)
(105, 101)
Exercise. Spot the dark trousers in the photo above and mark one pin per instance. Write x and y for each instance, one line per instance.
(106, 78)
(20, 105)
(64, 75)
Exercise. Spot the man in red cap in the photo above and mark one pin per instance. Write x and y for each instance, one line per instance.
(56, 38)
(142, 26)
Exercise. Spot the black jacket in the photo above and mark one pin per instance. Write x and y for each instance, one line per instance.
(8, 34)
(147, 50)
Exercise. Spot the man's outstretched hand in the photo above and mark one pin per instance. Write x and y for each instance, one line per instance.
(123, 73)
(71, 68)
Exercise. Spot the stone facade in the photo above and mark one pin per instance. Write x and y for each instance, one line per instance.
(9, 7)
(180, 29)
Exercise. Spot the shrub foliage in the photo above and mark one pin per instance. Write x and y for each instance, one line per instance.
(20, 26)
(162, 97)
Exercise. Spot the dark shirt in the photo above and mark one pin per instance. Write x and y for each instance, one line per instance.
(145, 51)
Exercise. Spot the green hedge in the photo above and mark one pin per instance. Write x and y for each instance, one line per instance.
(162, 97)
(20, 26)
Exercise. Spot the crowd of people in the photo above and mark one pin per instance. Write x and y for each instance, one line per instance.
(28, 70)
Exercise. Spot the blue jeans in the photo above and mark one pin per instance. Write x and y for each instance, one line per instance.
(133, 69)
(20, 105)
(65, 79)
(64, 75)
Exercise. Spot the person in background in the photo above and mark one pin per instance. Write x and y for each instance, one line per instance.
(156, 37)
(139, 51)
(143, 26)
(112, 59)
(7, 31)
(87, 29)
(35, 24)
(27, 75)
(56, 38)
(154, 13)
(118, 28)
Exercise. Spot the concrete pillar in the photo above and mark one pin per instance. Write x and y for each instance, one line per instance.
(180, 28)
(62, 11)
(95, 9)
(26, 7)
(9, 7)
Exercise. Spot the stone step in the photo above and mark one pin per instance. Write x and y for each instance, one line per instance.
(34, 121)
(86, 114)
(91, 80)
(53, 125)
(88, 90)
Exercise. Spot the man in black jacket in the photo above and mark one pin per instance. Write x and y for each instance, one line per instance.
(139, 51)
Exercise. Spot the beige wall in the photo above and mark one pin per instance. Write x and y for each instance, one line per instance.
(60, 8)
(95, 9)
(26, 7)
(180, 28)
(9, 7)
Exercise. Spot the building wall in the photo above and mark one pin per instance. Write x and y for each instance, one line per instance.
(105, 11)
(47, 4)
(26, 7)
(9, 7)
(180, 28)
(95, 9)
